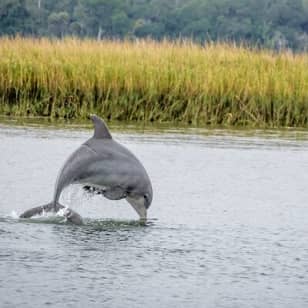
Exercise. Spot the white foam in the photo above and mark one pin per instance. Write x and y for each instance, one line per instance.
(14, 215)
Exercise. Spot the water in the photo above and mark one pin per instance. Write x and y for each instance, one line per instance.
(228, 223)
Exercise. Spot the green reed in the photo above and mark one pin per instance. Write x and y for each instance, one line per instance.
(216, 84)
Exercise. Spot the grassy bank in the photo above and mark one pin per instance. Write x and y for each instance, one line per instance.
(149, 81)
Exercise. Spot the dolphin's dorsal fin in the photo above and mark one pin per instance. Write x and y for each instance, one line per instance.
(101, 130)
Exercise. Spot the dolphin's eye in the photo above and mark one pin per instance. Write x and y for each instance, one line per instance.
(145, 197)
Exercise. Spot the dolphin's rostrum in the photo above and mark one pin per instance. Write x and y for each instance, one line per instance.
(102, 165)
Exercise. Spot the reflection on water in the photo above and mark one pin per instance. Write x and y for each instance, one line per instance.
(227, 228)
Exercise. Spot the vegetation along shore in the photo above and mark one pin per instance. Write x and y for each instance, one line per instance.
(144, 80)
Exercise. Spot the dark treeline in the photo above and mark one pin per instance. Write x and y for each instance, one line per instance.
(278, 24)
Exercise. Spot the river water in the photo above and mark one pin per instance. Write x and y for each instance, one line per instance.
(228, 226)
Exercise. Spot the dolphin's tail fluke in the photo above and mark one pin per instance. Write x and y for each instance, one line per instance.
(69, 214)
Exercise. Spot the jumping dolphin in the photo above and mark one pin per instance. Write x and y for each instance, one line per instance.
(102, 165)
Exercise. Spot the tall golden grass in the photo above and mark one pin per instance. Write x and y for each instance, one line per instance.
(153, 81)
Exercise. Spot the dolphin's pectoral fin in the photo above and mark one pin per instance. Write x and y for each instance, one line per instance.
(69, 214)
(111, 193)
(114, 193)
(93, 190)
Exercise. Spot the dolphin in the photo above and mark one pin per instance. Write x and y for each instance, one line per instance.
(103, 166)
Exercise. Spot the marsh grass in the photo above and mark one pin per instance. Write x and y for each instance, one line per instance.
(217, 84)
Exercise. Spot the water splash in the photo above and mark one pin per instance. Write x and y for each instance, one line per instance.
(14, 215)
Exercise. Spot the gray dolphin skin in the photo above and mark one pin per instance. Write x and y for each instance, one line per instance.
(103, 166)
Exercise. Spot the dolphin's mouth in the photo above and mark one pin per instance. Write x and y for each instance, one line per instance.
(138, 204)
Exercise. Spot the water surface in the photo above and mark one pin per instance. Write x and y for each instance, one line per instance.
(228, 223)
